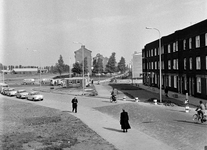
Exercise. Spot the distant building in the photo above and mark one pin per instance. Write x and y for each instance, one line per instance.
(136, 66)
(183, 61)
(87, 54)
(28, 70)
(104, 59)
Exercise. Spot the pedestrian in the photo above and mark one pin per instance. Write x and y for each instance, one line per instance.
(124, 121)
(74, 104)
(166, 91)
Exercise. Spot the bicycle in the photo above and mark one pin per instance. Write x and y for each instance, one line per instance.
(198, 119)
(113, 99)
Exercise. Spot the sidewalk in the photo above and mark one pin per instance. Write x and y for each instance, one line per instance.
(181, 97)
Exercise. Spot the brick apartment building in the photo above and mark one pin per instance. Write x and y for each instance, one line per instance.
(183, 61)
(87, 54)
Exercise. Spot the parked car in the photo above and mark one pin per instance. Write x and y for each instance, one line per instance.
(34, 96)
(28, 81)
(11, 92)
(21, 94)
(7, 90)
(3, 86)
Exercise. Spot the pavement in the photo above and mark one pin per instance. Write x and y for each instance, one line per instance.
(180, 99)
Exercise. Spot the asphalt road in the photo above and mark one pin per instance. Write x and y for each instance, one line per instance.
(170, 125)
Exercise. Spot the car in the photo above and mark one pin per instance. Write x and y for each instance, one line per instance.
(7, 90)
(11, 92)
(28, 81)
(35, 96)
(3, 86)
(21, 94)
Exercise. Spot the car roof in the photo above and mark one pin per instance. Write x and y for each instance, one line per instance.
(21, 90)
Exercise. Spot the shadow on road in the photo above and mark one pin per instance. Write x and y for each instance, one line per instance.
(192, 122)
(112, 129)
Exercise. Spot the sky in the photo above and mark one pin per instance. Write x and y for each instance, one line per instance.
(37, 32)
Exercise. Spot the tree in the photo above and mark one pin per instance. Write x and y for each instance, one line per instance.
(60, 65)
(111, 65)
(97, 65)
(121, 65)
(77, 69)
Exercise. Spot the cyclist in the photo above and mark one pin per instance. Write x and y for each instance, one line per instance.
(201, 110)
(114, 94)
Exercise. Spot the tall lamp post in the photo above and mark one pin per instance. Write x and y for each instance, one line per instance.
(83, 62)
(159, 61)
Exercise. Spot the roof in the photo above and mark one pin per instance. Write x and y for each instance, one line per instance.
(25, 69)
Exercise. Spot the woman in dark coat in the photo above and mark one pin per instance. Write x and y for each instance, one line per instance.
(124, 121)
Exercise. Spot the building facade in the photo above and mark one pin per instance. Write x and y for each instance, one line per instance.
(87, 54)
(136, 66)
(183, 61)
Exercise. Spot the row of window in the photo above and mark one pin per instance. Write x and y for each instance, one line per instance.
(198, 82)
(155, 65)
(155, 52)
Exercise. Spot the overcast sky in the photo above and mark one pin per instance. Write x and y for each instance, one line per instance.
(37, 32)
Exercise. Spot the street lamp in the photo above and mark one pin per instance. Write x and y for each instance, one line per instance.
(159, 61)
(83, 62)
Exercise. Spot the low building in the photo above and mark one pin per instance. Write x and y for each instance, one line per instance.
(25, 70)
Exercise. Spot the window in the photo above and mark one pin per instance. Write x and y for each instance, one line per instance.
(190, 62)
(177, 64)
(184, 63)
(169, 64)
(168, 48)
(173, 47)
(175, 81)
(190, 43)
(155, 51)
(155, 78)
(206, 62)
(198, 63)
(184, 44)
(198, 85)
(152, 52)
(176, 46)
(152, 65)
(174, 63)
(162, 63)
(197, 41)
(185, 80)
(206, 39)
(169, 81)
(155, 65)
(162, 50)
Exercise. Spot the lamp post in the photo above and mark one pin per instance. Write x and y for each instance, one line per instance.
(40, 66)
(159, 61)
(82, 48)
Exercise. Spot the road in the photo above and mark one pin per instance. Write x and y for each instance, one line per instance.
(169, 125)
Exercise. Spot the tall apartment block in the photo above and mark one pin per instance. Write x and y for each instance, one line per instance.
(183, 61)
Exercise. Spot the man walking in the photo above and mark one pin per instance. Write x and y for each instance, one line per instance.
(124, 121)
(74, 104)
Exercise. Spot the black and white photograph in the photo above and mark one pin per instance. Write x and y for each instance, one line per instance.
(103, 74)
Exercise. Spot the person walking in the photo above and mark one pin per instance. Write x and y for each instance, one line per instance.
(74, 104)
(124, 121)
